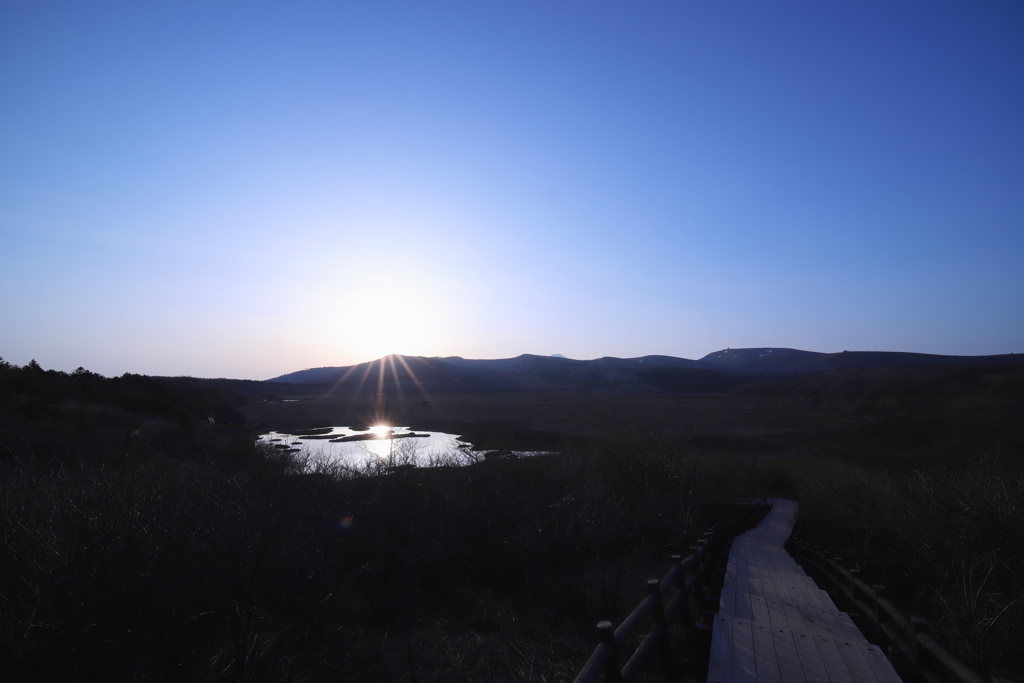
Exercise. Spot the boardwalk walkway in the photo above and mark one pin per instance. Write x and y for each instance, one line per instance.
(776, 626)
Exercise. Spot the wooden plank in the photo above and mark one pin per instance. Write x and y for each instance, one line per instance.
(766, 661)
(878, 662)
(761, 589)
(848, 623)
(796, 619)
(835, 665)
(773, 598)
(791, 669)
(744, 609)
(743, 668)
(727, 603)
(781, 589)
(720, 666)
(776, 613)
(830, 622)
(804, 594)
(856, 662)
(759, 610)
(825, 599)
(811, 596)
(776, 626)
(810, 658)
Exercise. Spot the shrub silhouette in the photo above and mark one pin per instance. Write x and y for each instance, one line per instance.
(140, 541)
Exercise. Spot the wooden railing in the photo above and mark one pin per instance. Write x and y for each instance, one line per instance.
(688, 582)
(907, 639)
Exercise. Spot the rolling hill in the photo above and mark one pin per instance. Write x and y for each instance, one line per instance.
(780, 361)
(717, 371)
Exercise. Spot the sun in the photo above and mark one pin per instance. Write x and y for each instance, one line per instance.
(402, 315)
(380, 431)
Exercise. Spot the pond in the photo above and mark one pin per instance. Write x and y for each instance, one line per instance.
(372, 447)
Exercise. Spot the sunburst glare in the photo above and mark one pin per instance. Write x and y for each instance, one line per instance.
(380, 431)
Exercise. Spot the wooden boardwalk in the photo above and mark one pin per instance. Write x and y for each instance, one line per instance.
(776, 626)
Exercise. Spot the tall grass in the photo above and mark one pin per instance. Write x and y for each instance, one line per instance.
(154, 552)
(946, 540)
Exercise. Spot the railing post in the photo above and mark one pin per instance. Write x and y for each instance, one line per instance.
(612, 671)
(658, 615)
(695, 550)
(705, 566)
(685, 613)
(700, 589)
(878, 590)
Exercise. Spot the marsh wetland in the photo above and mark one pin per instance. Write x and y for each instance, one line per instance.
(142, 540)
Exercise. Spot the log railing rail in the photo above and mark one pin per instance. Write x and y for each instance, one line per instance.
(907, 637)
(689, 582)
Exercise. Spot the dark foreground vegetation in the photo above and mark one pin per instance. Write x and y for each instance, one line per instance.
(142, 539)
(926, 497)
(947, 542)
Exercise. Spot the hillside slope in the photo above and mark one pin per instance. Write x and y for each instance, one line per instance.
(780, 361)
(717, 371)
(523, 373)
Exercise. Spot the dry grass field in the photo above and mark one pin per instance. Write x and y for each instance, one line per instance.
(721, 423)
(141, 540)
(915, 475)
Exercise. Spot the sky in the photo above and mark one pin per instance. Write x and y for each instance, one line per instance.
(245, 189)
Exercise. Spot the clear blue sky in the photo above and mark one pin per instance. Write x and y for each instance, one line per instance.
(244, 189)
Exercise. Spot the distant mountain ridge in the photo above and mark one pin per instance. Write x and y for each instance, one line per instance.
(716, 371)
(782, 361)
